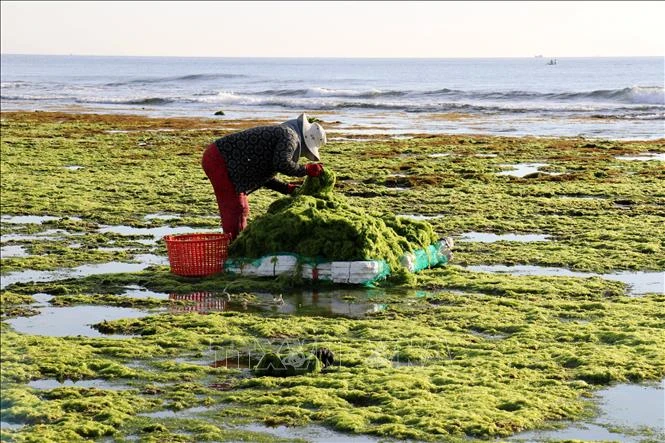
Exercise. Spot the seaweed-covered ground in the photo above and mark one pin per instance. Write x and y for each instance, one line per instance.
(554, 294)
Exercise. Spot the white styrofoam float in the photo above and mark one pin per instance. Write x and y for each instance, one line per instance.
(351, 272)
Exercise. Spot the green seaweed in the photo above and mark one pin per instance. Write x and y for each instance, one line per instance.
(15, 305)
(451, 355)
(320, 225)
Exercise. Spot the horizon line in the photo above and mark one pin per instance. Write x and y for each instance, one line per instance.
(331, 57)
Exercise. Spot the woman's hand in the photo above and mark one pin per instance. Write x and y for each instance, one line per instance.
(314, 169)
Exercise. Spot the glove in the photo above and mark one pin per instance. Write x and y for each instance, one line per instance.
(314, 169)
(291, 188)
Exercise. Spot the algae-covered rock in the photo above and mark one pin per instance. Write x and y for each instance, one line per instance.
(286, 365)
(320, 224)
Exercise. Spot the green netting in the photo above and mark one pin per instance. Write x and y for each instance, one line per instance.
(324, 226)
(432, 256)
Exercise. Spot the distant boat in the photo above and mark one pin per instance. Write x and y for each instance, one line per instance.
(538, 56)
(552, 62)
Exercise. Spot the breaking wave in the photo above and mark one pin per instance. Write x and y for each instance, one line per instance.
(183, 78)
(128, 101)
(633, 95)
(326, 92)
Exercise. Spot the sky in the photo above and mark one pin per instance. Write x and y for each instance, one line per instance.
(335, 29)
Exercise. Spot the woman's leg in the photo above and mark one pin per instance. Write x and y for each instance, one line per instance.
(233, 207)
(244, 214)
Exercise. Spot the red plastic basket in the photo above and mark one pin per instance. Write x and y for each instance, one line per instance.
(197, 255)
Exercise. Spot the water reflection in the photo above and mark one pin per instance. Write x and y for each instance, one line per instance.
(145, 260)
(161, 216)
(489, 237)
(522, 169)
(11, 426)
(639, 282)
(139, 292)
(346, 303)
(311, 433)
(421, 217)
(628, 413)
(73, 320)
(201, 302)
(184, 413)
(94, 383)
(644, 157)
(12, 251)
(157, 233)
(27, 219)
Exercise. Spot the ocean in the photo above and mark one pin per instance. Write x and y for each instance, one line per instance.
(612, 98)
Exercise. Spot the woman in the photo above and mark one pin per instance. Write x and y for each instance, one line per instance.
(240, 163)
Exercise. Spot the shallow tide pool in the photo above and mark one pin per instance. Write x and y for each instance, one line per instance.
(639, 282)
(73, 320)
(144, 261)
(488, 237)
(628, 413)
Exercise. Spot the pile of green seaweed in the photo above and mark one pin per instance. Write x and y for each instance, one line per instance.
(318, 223)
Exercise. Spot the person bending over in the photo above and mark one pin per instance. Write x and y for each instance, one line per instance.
(240, 163)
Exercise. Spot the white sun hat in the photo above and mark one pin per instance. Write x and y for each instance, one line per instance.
(314, 137)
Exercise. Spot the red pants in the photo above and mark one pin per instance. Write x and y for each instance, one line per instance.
(233, 206)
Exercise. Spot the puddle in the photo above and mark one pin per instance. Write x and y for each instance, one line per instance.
(27, 219)
(95, 383)
(161, 216)
(73, 167)
(135, 291)
(488, 237)
(582, 197)
(583, 432)
(112, 249)
(49, 234)
(145, 260)
(184, 413)
(350, 139)
(310, 433)
(420, 216)
(41, 299)
(626, 411)
(639, 282)
(157, 233)
(643, 157)
(10, 426)
(12, 251)
(328, 304)
(440, 154)
(634, 405)
(485, 155)
(522, 169)
(488, 336)
(306, 303)
(74, 320)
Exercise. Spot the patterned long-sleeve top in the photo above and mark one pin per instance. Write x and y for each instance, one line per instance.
(254, 156)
